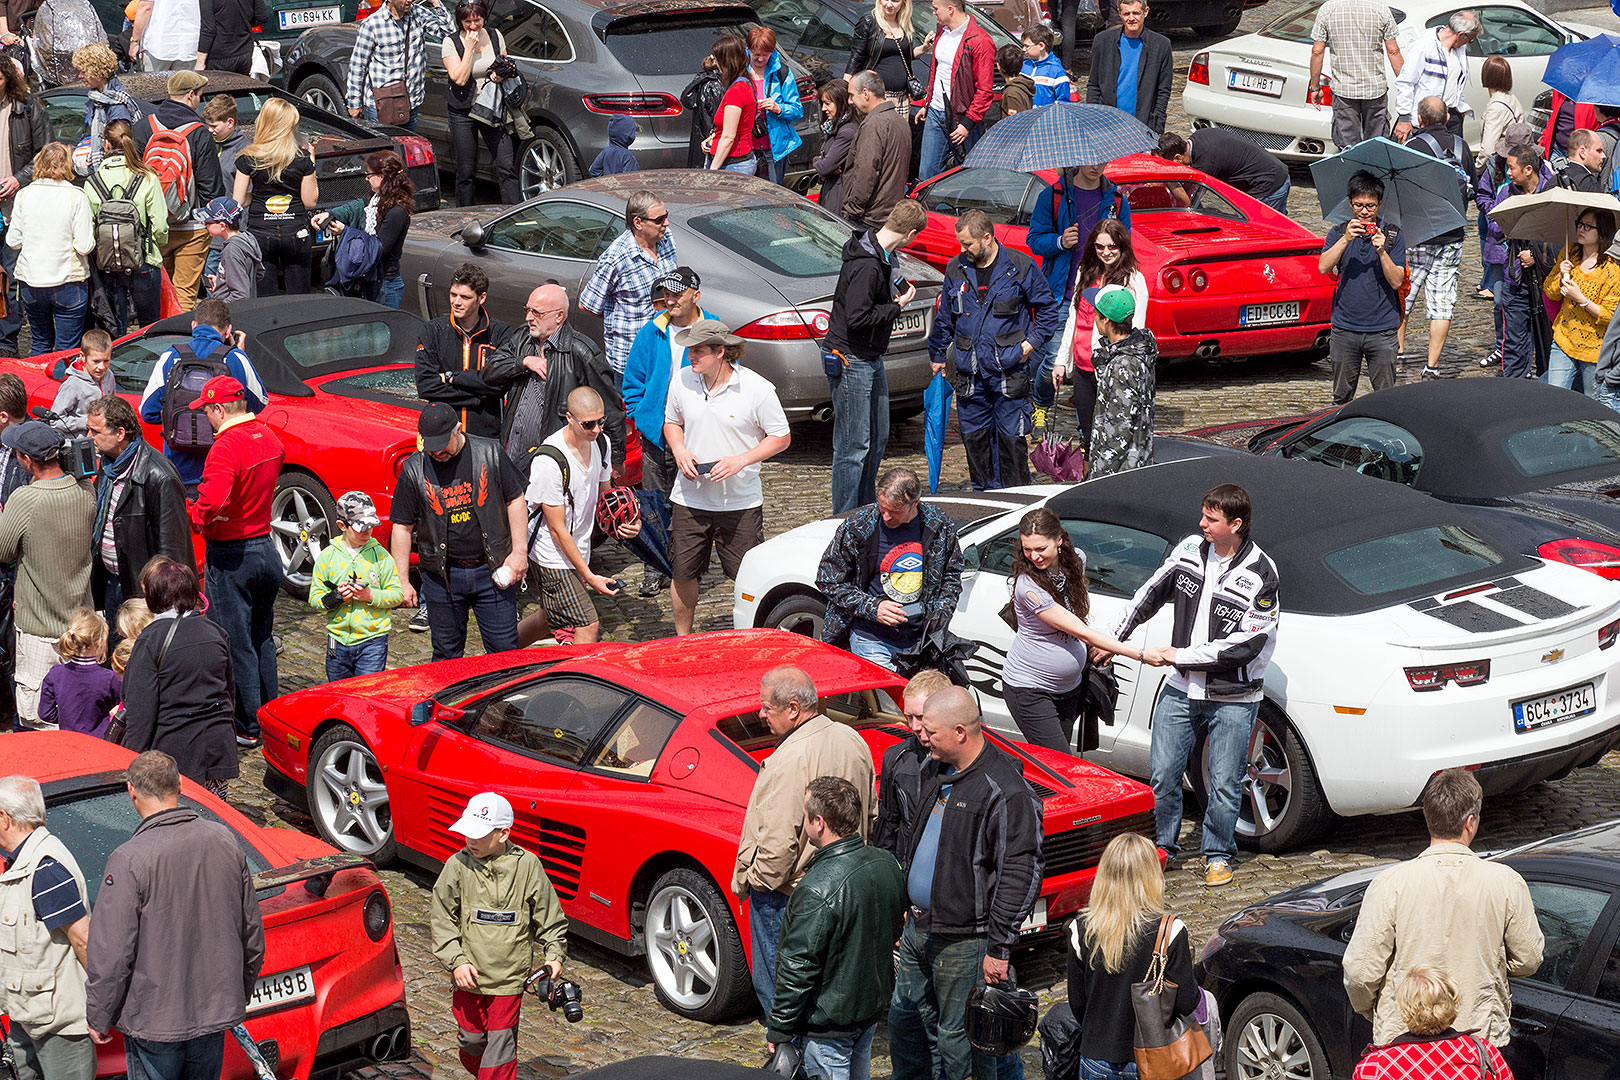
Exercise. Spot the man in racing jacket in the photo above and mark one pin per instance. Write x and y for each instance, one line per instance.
(1223, 589)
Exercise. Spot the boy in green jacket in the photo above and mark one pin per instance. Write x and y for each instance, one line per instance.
(356, 582)
(491, 905)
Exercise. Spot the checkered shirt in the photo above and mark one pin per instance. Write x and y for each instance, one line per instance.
(1355, 32)
(1455, 1058)
(620, 289)
(387, 50)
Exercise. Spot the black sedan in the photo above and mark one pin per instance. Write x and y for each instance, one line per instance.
(1542, 462)
(1275, 970)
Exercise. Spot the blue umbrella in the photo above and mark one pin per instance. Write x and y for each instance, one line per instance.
(651, 544)
(1062, 135)
(1420, 192)
(936, 413)
(1587, 71)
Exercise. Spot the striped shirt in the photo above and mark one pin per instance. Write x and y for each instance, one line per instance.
(387, 50)
(1051, 81)
(1431, 70)
(1355, 32)
(620, 290)
(57, 902)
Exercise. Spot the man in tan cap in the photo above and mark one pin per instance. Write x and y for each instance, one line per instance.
(187, 248)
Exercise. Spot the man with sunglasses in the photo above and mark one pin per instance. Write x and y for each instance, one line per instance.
(620, 289)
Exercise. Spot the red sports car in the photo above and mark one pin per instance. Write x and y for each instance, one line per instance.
(331, 997)
(629, 767)
(1226, 275)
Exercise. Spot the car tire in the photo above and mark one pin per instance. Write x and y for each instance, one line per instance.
(545, 162)
(694, 952)
(800, 613)
(303, 520)
(1282, 803)
(1264, 1032)
(323, 93)
(348, 798)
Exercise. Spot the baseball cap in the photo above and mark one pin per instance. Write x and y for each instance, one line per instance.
(485, 813)
(183, 82)
(228, 211)
(219, 389)
(706, 332)
(35, 438)
(1113, 302)
(437, 425)
(356, 508)
(676, 281)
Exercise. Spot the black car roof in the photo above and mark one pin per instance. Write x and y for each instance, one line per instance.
(621, 8)
(1302, 510)
(1462, 424)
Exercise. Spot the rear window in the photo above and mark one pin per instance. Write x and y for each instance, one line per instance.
(360, 344)
(1295, 25)
(796, 241)
(1567, 447)
(1411, 560)
(667, 45)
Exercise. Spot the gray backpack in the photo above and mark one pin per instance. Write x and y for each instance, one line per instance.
(120, 233)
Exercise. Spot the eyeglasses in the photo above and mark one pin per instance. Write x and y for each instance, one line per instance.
(542, 311)
(1372, 206)
(659, 220)
(592, 425)
(1586, 225)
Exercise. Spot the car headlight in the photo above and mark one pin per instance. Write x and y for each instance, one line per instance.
(377, 915)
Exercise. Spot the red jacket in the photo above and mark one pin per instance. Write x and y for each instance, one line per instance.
(972, 82)
(1446, 1056)
(238, 481)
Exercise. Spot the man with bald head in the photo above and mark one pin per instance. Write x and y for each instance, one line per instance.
(539, 369)
(773, 852)
(973, 871)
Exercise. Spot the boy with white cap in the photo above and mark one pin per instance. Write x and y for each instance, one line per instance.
(356, 582)
(491, 905)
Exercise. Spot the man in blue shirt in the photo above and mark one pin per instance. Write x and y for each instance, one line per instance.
(1131, 67)
(1370, 262)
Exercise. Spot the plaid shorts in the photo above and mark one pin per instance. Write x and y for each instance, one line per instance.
(564, 598)
(1434, 270)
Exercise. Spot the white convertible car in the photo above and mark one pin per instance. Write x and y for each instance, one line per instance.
(1408, 644)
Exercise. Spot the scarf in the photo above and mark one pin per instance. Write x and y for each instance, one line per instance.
(101, 100)
(104, 485)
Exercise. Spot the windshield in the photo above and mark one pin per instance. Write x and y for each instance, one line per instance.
(1412, 560)
(667, 45)
(797, 240)
(1567, 447)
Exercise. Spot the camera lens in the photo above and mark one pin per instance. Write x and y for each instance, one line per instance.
(573, 1012)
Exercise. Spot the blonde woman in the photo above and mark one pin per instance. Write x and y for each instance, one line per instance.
(1111, 944)
(51, 229)
(1428, 999)
(882, 43)
(280, 175)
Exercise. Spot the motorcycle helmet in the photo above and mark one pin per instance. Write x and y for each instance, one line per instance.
(1001, 1018)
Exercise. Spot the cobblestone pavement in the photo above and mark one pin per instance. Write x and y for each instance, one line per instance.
(622, 1019)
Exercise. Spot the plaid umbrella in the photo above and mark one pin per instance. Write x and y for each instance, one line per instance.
(1420, 192)
(1062, 135)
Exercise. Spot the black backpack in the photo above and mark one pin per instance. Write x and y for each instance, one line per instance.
(185, 428)
(121, 236)
(555, 453)
(1454, 157)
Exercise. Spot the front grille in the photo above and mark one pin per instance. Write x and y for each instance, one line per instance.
(1266, 140)
(1081, 848)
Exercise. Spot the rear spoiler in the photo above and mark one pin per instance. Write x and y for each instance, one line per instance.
(316, 873)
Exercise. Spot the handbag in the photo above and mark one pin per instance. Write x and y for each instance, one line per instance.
(1100, 694)
(117, 724)
(1167, 1046)
(490, 107)
(393, 103)
(915, 90)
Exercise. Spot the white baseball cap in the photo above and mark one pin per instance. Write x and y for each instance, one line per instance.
(484, 814)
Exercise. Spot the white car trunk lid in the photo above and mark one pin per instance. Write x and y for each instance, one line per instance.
(1547, 606)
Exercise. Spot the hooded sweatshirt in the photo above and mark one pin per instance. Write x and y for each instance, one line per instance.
(617, 158)
(74, 396)
(240, 260)
(864, 312)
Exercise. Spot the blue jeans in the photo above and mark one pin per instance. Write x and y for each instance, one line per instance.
(470, 588)
(776, 170)
(1572, 374)
(928, 1013)
(1177, 723)
(1041, 390)
(936, 144)
(393, 292)
(362, 658)
(1609, 395)
(860, 398)
(369, 112)
(1278, 200)
(243, 578)
(200, 1058)
(1092, 1069)
(869, 647)
(849, 1058)
(747, 166)
(766, 913)
(56, 315)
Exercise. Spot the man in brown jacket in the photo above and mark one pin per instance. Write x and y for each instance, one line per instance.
(773, 852)
(875, 178)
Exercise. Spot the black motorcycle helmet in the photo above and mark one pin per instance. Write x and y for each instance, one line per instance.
(1001, 1018)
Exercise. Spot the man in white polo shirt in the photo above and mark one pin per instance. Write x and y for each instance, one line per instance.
(720, 421)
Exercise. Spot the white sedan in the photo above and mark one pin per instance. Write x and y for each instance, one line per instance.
(1408, 643)
(1255, 84)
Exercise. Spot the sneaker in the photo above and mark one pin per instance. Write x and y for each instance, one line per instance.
(1040, 422)
(1411, 356)
(1491, 359)
(419, 621)
(1217, 872)
(249, 742)
(1431, 373)
(652, 584)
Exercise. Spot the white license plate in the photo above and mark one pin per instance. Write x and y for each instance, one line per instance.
(1555, 708)
(299, 18)
(1036, 920)
(908, 323)
(1254, 83)
(1268, 314)
(282, 988)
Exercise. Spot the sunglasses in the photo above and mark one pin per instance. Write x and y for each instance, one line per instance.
(1107, 247)
(592, 425)
(659, 220)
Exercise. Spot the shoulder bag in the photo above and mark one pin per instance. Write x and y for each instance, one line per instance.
(393, 103)
(914, 87)
(1167, 1046)
(117, 725)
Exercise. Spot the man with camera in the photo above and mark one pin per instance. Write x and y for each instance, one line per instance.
(492, 905)
(1369, 261)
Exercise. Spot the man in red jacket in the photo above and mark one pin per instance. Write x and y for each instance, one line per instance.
(232, 512)
(961, 80)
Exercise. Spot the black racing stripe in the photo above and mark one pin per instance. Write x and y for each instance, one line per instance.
(1473, 618)
(1533, 601)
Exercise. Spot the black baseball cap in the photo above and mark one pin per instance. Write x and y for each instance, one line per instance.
(437, 425)
(35, 438)
(676, 281)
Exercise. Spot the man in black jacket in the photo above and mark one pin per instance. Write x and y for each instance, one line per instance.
(973, 873)
(140, 506)
(453, 349)
(225, 38)
(871, 294)
(1584, 169)
(1131, 67)
(903, 765)
(186, 251)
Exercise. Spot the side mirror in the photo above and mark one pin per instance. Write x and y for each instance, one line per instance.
(472, 234)
(428, 711)
(422, 712)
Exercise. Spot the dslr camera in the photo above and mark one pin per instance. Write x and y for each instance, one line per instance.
(561, 994)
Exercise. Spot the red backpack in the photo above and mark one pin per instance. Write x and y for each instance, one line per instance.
(169, 156)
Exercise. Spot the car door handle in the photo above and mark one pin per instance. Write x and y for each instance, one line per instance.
(1523, 1025)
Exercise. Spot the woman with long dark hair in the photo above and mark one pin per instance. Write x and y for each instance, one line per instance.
(468, 55)
(1044, 678)
(838, 127)
(386, 215)
(134, 297)
(730, 145)
(1108, 259)
(278, 175)
(1586, 286)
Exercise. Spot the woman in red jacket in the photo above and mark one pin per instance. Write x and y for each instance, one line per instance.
(1430, 1049)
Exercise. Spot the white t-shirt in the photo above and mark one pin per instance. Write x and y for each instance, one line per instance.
(171, 33)
(677, 354)
(732, 420)
(946, 46)
(546, 489)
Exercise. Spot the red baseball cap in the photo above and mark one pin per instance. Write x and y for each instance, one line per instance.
(218, 390)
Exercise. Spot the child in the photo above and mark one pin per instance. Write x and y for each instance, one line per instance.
(491, 905)
(356, 582)
(1018, 93)
(240, 258)
(88, 380)
(78, 694)
(616, 156)
(219, 113)
(1051, 81)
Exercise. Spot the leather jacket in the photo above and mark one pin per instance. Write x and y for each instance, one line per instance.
(433, 525)
(575, 361)
(149, 518)
(866, 43)
(30, 131)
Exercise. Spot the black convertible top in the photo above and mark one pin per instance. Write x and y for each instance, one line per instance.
(1462, 424)
(1302, 511)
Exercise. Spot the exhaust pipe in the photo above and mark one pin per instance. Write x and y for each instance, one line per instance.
(386, 1046)
(1208, 350)
(823, 413)
(1322, 338)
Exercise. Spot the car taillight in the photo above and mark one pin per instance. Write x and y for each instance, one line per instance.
(1471, 673)
(1599, 558)
(1173, 280)
(787, 325)
(418, 151)
(1198, 280)
(1198, 70)
(366, 8)
(1607, 634)
(633, 104)
(807, 92)
(1327, 90)
(377, 915)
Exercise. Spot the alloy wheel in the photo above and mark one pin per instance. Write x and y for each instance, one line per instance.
(1267, 785)
(682, 947)
(319, 98)
(543, 168)
(350, 798)
(1269, 1048)
(300, 530)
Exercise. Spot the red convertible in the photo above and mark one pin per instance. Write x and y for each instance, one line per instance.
(1226, 275)
(331, 995)
(629, 767)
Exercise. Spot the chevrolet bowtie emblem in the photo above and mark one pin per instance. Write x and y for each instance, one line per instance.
(1552, 657)
(1271, 275)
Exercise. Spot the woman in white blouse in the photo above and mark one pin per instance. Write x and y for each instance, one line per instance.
(52, 230)
(1109, 259)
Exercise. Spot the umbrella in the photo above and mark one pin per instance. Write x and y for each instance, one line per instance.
(936, 413)
(1548, 217)
(1062, 135)
(1587, 71)
(651, 544)
(1420, 192)
(260, 1067)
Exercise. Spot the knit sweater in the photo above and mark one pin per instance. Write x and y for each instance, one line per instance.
(1576, 330)
(47, 529)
